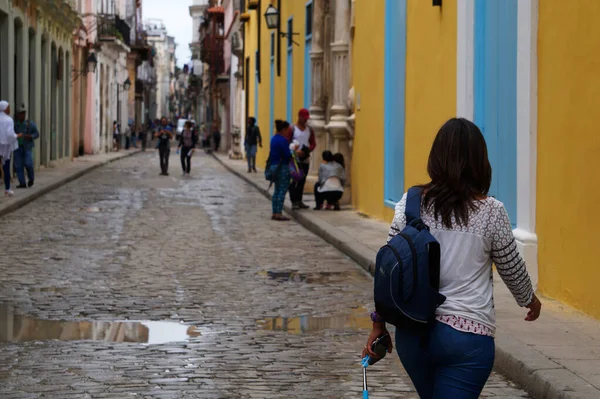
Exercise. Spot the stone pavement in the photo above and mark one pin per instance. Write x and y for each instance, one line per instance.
(49, 179)
(558, 356)
(128, 284)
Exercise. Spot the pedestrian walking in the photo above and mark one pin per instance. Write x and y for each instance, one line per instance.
(187, 145)
(143, 134)
(277, 168)
(116, 137)
(454, 355)
(164, 135)
(251, 140)
(9, 142)
(330, 186)
(303, 138)
(23, 156)
(133, 130)
(216, 136)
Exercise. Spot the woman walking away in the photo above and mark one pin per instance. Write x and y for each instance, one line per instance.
(187, 143)
(8, 143)
(164, 134)
(279, 159)
(453, 357)
(332, 177)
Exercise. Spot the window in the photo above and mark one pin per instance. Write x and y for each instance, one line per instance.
(290, 29)
(309, 19)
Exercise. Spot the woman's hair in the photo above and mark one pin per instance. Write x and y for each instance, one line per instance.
(339, 158)
(188, 124)
(281, 125)
(252, 120)
(327, 156)
(460, 172)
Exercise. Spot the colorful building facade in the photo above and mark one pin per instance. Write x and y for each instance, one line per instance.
(522, 70)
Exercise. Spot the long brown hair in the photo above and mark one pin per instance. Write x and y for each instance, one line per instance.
(460, 172)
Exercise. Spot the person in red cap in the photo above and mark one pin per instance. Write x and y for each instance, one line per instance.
(304, 136)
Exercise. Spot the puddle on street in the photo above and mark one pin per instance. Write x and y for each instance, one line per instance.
(18, 328)
(358, 320)
(309, 278)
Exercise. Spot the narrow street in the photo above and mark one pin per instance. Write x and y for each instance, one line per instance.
(128, 284)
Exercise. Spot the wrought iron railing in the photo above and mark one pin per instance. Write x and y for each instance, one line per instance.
(110, 26)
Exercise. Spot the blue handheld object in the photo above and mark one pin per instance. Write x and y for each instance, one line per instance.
(365, 388)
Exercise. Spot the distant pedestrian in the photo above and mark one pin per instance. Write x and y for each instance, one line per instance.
(303, 138)
(187, 145)
(453, 356)
(23, 156)
(9, 142)
(116, 136)
(164, 135)
(332, 177)
(143, 135)
(279, 158)
(133, 131)
(216, 136)
(252, 139)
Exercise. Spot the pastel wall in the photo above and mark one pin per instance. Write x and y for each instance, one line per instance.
(568, 190)
(368, 76)
(430, 81)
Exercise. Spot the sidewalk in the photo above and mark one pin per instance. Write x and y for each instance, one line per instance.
(50, 179)
(558, 356)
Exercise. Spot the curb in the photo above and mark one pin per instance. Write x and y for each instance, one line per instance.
(22, 201)
(528, 368)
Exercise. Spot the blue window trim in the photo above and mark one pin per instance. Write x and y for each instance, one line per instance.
(307, 61)
(394, 100)
(290, 74)
(272, 87)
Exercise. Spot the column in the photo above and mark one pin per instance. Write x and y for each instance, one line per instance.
(338, 127)
(68, 107)
(317, 108)
(36, 101)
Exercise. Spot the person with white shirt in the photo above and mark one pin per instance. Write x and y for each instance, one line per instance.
(8, 143)
(304, 136)
(454, 357)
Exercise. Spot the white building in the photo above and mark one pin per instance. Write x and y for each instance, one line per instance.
(164, 64)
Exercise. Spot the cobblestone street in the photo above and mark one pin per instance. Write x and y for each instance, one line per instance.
(128, 284)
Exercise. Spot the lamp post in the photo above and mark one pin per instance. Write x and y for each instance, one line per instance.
(272, 19)
(92, 64)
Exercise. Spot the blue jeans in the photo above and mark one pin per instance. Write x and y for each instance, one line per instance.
(6, 170)
(23, 159)
(251, 156)
(281, 173)
(450, 364)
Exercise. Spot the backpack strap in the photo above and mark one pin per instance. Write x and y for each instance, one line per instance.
(413, 205)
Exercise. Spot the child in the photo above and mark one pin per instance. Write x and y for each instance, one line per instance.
(330, 186)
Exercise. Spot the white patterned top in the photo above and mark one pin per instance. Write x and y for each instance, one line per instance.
(467, 254)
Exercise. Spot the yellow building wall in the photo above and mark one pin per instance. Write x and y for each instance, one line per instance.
(430, 95)
(297, 10)
(568, 190)
(430, 81)
(367, 150)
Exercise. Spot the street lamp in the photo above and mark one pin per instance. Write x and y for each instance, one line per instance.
(127, 84)
(272, 19)
(92, 62)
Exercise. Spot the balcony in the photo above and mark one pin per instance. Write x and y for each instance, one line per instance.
(112, 28)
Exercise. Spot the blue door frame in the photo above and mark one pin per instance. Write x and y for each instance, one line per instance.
(495, 94)
(307, 61)
(289, 73)
(394, 100)
(272, 87)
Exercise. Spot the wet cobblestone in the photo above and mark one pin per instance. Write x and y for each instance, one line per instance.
(272, 311)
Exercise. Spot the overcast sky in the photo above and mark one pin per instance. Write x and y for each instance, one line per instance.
(176, 16)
